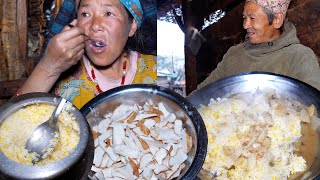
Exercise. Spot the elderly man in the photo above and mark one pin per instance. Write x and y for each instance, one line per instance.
(271, 45)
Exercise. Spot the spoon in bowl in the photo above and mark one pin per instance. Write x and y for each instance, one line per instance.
(93, 42)
(46, 136)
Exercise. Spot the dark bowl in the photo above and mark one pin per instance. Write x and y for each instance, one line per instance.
(76, 165)
(140, 93)
(250, 82)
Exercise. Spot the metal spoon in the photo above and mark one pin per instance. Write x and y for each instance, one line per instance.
(94, 42)
(46, 136)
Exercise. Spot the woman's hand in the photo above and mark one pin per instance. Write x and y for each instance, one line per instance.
(64, 50)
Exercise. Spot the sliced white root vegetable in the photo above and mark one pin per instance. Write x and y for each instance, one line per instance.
(140, 142)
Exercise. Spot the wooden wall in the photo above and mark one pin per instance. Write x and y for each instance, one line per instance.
(12, 32)
(305, 14)
(21, 23)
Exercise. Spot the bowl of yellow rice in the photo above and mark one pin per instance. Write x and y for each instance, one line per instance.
(260, 126)
(20, 116)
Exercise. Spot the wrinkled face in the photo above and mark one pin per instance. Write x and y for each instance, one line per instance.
(255, 21)
(107, 24)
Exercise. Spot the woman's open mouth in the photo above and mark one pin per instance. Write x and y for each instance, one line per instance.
(97, 46)
(97, 43)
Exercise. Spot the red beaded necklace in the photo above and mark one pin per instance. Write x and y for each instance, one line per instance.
(123, 78)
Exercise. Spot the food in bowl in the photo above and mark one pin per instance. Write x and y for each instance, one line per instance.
(18, 127)
(258, 135)
(137, 141)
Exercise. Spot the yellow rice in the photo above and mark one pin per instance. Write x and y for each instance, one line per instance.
(18, 127)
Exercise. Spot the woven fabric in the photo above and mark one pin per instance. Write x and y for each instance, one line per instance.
(276, 6)
(134, 7)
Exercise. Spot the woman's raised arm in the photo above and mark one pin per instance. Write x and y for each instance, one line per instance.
(64, 50)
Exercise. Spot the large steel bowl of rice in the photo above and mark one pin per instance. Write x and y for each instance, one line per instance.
(72, 156)
(145, 132)
(260, 126)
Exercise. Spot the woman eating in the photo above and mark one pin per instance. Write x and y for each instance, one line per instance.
(94, 53)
